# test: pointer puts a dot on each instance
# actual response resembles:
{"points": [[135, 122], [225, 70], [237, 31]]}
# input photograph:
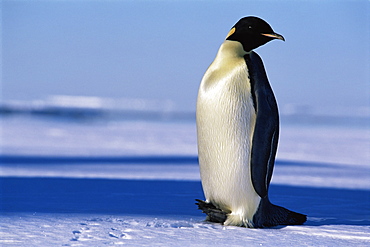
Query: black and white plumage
{"points": [[238, 131]]}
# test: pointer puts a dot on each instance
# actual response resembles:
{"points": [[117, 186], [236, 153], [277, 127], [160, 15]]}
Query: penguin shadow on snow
{"points": [[323, 206]]}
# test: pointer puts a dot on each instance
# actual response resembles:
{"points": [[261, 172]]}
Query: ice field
{"points": [[83, 182]]}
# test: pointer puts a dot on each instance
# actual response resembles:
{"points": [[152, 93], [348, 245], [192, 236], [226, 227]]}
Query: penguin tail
{"points": [[213, 213], [269, 215]]}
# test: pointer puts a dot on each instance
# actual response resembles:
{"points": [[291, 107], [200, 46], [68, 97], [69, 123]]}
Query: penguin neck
{"points": [[230, 48]]}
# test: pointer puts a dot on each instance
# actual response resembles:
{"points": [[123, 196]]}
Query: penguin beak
{"points": [[274, 36]]}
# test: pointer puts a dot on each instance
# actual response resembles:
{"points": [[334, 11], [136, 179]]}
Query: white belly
{"points": [[225, 125]]}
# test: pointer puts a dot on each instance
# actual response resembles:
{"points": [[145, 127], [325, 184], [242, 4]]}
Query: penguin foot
{"points": [[269, 215], [214, 214]]}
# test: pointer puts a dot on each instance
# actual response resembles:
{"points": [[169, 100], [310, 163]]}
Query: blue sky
{"points": [[161, 49]]}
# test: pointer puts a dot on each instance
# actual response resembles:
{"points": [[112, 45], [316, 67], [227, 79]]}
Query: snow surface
{"points": [[69, 182]]}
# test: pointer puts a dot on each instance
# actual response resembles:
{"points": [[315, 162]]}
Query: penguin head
{"points": [[252, 32]]}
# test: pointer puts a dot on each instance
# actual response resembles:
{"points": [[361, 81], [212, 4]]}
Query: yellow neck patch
{"points": [[230, 32]]}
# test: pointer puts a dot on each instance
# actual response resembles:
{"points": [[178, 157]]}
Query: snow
{"points": [[91, 182]]}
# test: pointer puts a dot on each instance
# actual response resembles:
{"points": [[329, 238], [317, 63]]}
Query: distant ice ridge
{"points": [[90, 102], [68, 106], [96, 107], [294, 109]]}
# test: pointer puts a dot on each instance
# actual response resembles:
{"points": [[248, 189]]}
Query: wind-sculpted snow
{"points": [[87, 230]]}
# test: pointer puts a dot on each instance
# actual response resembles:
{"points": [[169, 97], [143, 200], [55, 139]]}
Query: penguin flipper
{"points": [[214, 214], [266, 131]]}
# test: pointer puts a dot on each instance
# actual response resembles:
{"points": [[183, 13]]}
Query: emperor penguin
{"points": [[237, 130]]}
